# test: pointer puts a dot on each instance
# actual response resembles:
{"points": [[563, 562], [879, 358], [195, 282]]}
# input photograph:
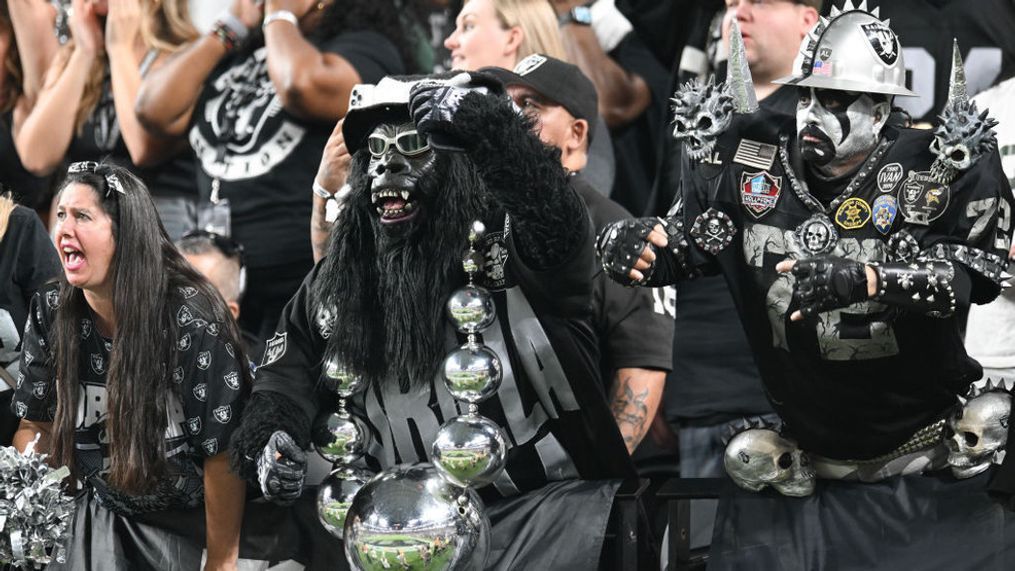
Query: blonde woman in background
{"points": [[85, 111], [27, 261]]}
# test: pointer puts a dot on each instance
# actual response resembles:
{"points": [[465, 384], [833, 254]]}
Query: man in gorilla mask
{"points": [[430, 156]]}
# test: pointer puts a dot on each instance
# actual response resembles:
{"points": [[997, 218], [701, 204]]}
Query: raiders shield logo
{"points": [[211, 446], [325, 322], [39, 390], [188, 292], [882, 41], [86, 328], [194, 425], [212, 329], [20, 409], [759, 192], [184, 343], [28, 358], [229, 349], [204, 360], [21, 380], [184, 316], [98, 364], [53, 299], [178, 375], [223, 414], [232, 380], [274, 348], [201, 392], [923, 199]]}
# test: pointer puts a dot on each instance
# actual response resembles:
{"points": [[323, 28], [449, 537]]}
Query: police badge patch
{"points": [[882, 40], [885, 210], [923, 199], [853, 213], [889, 176], [223, 414], [759, 192], [274, 348], [713, 230]]}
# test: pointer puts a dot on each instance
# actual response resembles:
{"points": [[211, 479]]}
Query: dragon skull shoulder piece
{"points": [[702, 111]]}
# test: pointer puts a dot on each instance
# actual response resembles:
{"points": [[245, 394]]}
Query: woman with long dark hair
{"points": [[258, 98], [134, 377]]}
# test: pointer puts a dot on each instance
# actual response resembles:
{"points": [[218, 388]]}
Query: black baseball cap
{"points": [[556, 80]]}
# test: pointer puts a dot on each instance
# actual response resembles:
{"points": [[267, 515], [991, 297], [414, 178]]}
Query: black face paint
{"points": [[837, 102]]}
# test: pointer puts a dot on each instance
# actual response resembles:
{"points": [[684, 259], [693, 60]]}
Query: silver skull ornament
{"points": [[760, 457], [702, 111], [977, 431]]}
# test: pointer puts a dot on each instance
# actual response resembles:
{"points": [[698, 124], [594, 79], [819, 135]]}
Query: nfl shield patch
{"points": [[886, 208], [223, 414], [274, 348], [759, 192]]}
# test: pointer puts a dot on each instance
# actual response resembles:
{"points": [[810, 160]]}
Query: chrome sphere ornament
{"points": [[472, 373], [334, 496], [471, 309], [339, 437], [476, 232], [470, 450], [408, 517], [340, 380]]}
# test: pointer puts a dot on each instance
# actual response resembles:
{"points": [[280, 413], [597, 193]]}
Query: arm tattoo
{"points": [[630, 412], [320, 228]]}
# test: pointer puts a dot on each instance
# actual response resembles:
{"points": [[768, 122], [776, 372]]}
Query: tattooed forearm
{"points": [[320, 228], [634, 400]]}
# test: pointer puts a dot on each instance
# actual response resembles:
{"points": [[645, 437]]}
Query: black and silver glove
{"points": [[620, 245], [828, 282], [433, 107], [281, 469]]}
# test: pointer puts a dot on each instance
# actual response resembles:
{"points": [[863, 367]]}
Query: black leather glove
{"points": [[619, 247], [828, 282], [433, 106], [281, 469]]}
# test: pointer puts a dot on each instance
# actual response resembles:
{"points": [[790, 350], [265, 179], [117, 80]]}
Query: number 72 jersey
{"points": [[855, 382]]}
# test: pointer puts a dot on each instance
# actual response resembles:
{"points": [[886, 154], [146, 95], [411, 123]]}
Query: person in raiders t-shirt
{"points": [[132, 374], [375, 304]]}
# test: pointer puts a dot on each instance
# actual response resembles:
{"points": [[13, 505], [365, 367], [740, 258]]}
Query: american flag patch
{"points": [[755, 154]]}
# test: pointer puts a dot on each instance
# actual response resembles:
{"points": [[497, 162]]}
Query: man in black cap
{"points": [[635, 333]]}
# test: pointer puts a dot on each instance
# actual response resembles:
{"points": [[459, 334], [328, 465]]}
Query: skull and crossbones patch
{"points": [[713, 230]]}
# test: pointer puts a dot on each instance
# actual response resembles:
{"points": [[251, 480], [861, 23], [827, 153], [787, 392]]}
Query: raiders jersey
{"points": [[203, 409], [550, 403], [855, 382]]}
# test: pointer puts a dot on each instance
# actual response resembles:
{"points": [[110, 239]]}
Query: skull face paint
{"points": [[835, 128]]}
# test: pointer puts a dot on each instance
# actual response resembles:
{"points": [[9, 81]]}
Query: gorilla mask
{"points": [[399, 158]]}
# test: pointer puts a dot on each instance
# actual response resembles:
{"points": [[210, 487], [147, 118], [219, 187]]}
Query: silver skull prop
{"points": [[977, 431], [702, 111], [760, 457], [409, 517]]}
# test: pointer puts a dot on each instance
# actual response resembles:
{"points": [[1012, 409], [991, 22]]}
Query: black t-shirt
{"points": [[634, 327], [983, 29], [100, 139], [204, 405], [27, 188], [550, 401], [27, 261], [855, 382], [635, 144], [264, 158]]}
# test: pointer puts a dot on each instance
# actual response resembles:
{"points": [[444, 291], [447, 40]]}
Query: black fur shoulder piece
{"points": [[266, 412], [547, 215]]}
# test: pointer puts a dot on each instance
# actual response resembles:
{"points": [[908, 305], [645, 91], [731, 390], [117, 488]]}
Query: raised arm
{"points": [[331, 175], [43, 137], [169, 94], [33, 22], [311, 84]]}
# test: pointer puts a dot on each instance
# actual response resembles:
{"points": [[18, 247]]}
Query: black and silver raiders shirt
{"points": [[855, 382], [203, 408]]}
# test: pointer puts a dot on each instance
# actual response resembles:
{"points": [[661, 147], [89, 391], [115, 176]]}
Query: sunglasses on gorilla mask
{"points": [[409, 143]]}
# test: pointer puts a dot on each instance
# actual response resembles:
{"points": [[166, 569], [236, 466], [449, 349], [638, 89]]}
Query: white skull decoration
{"points": [[714, 227], [760, 457], [977, 431], [816, 236]]}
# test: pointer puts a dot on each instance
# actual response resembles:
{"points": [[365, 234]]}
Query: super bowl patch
{"points": [[713, 230], [853, 213], [922, 199], [889, 176], [886, 208], [759, 192]]}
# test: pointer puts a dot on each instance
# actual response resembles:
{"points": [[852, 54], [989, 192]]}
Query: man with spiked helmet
{"points": [[849, 243]]}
